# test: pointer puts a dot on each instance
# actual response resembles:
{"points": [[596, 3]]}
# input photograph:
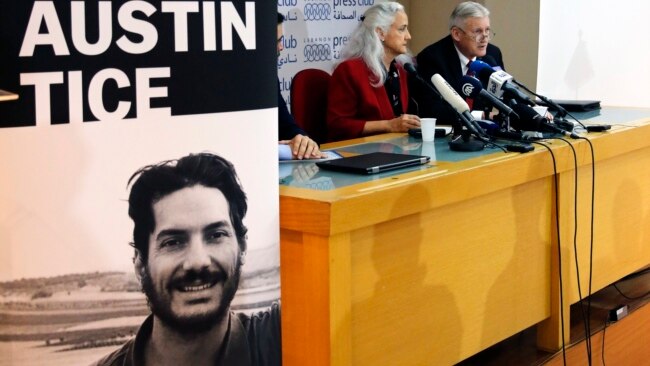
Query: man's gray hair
{"points": [[464, 10]]}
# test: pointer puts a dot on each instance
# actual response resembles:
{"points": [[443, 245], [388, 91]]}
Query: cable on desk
{"points": [[602, 353], [583, 312], [591, 229], [559, 247], [492, 144]]}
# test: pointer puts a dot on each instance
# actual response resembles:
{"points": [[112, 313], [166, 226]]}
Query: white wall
{"points": [[595, 49]]}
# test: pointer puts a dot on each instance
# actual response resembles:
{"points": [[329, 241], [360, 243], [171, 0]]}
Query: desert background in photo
{"points": [[76, 319]]}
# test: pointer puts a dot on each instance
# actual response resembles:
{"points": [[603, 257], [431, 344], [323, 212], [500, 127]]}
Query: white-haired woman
{"points": [[368, 91]]}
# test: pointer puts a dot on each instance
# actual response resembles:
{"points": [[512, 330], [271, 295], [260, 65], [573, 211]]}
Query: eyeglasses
{"points": [[479, 35]]}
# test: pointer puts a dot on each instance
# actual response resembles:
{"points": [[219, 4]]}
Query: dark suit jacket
{"points": [[287, 127], [442, 58], [352, 101]]}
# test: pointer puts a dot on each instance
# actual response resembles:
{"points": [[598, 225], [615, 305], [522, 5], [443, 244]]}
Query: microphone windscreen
{"points": [[449, 94], [470, 86], [410, 68], [484, 76], [477, 66]]}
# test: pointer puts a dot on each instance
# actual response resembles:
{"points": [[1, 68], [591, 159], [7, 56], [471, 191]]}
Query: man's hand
{"points": [[302, 147]]}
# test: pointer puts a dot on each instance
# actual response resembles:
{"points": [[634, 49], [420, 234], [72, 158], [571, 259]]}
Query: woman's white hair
{"points": [[364, 41]]}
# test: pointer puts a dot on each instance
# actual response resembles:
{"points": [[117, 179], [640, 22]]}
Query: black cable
{"points": [[505, 149], [562, 112], [591, 231], [559, 247], [492, 143], [630, 297], [583, 312], [544, 99], [577, 120], [487, 140], [630, 276], [602, 353]]}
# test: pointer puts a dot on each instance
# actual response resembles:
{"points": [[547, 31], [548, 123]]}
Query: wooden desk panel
{"points": [[427, 287], [622, 218], [418, 261]]}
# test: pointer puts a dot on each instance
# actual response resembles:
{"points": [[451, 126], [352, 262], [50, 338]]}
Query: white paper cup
{"points": [[428, 128]]}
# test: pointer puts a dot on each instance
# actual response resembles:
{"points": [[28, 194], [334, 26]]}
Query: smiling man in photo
{"points": [[190, 244]]}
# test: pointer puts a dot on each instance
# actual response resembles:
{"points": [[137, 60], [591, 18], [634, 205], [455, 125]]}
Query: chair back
{"points": [[309, 102]]}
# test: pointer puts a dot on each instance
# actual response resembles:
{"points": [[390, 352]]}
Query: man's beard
{"points": [[195, 324]]}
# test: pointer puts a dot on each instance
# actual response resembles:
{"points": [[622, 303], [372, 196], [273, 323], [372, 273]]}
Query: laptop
{"points": [[373, 163], [578, 105]]}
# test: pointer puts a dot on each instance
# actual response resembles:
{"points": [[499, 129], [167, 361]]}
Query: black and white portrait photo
{"points": [[139, 210]]}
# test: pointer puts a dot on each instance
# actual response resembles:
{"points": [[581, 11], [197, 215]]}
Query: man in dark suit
{"points": [[302, 147], [468, 40]]}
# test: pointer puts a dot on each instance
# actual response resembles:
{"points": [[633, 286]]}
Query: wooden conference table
{"points": [[430, 265]]}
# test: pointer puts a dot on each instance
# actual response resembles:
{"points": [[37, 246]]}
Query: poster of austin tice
{"points": [[107, 88]]}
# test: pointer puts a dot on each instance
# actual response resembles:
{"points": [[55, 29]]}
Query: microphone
{"points": [[499, 85], [492, 62], [411, 70], [482, 71], [497, 81], [472, 88], [561, 112], [448, 93], [532, 121]]}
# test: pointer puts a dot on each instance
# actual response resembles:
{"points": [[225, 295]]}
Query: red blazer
{"points": [[352, 101]]}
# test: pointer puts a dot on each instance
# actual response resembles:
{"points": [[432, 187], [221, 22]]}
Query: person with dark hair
{"points": [[368, 91], [468, 40], [190, 244], [302, 146]]}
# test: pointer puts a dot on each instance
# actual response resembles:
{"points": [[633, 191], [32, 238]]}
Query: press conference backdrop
{"points": [[106, 88], [315, 32], [595, 49]]}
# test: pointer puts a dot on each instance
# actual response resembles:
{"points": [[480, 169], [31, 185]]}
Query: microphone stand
{"points": [[504, 131], [471, 136], [561, 113], [506, 120], [466, 141]]}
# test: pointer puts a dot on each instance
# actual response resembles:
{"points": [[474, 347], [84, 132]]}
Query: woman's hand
{"points": [[403, 123]]}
